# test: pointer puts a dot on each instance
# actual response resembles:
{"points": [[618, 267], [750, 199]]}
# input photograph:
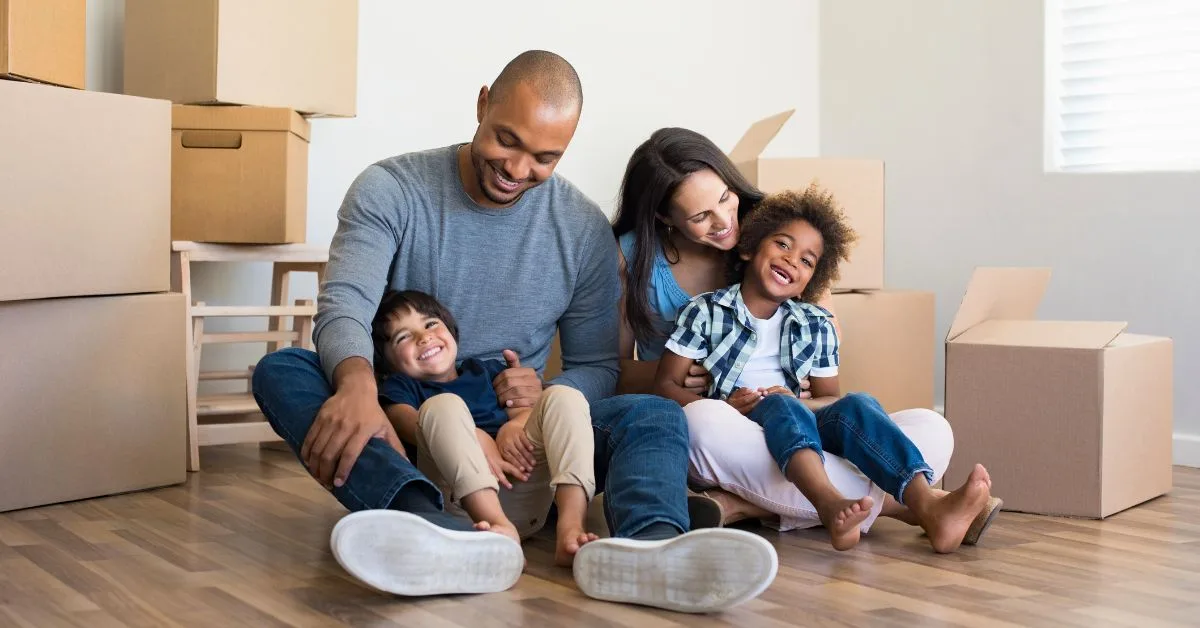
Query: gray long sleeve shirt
{"points": [[509, 276]]}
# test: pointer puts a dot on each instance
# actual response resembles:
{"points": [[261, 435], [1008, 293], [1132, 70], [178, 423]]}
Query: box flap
{"points": [[232, 118], [755, 141], [1047, 334], [1000, 293]]}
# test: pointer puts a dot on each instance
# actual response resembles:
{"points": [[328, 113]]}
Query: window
{"points": [[1122, 85]]}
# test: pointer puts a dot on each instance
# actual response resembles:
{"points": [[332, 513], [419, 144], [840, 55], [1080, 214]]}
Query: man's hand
{"points": [[744, 399], [496, 462], [344, 425], [698, 380], [515, 446], [517, 386]]}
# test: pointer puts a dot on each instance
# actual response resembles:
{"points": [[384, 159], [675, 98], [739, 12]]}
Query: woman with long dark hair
{"points": [[678, 223]]}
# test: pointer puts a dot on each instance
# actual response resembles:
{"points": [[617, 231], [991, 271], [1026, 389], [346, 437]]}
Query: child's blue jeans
{"points": [[854, 427]]}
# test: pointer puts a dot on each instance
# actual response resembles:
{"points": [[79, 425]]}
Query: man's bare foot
{"points": [[570, 539], [949, 515], [506, 528], [842, 519]]}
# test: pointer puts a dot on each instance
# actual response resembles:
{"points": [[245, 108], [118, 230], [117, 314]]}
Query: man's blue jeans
{"points": [[641, 451], [854, 427]]}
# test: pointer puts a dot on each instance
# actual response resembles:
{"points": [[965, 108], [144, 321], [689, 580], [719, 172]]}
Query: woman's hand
{"points": [[500, 467], [698, 379], [744, 400], [805, 385]]}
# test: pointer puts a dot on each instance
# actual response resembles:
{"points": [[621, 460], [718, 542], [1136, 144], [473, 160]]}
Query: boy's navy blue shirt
{"points": [[473, 385]]}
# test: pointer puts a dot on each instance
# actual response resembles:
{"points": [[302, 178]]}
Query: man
{"points": [[515, 252]]}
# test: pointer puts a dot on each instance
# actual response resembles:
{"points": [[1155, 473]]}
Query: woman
{"points": [[681, 204]]}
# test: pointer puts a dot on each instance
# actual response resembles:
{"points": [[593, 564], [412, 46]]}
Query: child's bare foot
{"points": [[506, 528], [949, 515], [842, 518], [570, 539]]}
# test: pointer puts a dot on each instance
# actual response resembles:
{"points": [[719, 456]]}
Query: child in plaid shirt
{"points": [[761, 337]]}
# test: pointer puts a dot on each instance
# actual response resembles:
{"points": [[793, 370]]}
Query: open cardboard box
{"points": [[856, 184], [1070, 417], [887, 347]]}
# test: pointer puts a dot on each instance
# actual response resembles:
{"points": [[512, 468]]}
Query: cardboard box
{"points": [[1070, 417], [84, 193], [44, 41], [887, 347], [239, 175], [857, 184], [92, 397], [297, 54]]}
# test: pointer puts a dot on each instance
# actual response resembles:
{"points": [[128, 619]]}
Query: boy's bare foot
{"points": [[842, 518], [568, 542], [506, 528], [948, 516]]}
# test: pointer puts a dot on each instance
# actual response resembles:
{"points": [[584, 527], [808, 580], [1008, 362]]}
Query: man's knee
{"points": [[651, 412], [280, 366]]}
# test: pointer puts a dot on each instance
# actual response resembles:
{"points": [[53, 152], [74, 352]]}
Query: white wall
{"points": [[950, 94], [714, 66]]}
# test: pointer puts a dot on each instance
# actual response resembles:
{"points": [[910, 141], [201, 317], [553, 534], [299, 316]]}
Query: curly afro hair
{"points": [[814, 206]]}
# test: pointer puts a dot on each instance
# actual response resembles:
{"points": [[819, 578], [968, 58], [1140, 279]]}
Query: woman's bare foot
{"points": [[947, 516], [570, 538], [506, 528], [842, 518]]}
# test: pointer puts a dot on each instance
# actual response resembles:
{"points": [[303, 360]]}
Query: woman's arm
{"points": [[825, 390], [404, 419], [636, 376], [672, 374]]}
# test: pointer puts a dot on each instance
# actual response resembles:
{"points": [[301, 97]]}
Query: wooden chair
{"points": [[234, 417]]}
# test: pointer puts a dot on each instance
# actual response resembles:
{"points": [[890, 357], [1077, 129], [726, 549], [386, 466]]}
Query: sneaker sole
{"points": [[401, 553], [702, 571]]}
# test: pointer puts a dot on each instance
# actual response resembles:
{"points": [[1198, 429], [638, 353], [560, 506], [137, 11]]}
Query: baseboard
{"points": [[1187, 450]]}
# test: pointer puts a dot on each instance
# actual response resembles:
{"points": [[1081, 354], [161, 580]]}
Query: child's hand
{"points": [[744, 400], [515, 446], [777, 390], [499, 466]]}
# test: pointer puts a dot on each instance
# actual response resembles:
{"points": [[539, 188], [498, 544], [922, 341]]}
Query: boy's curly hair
{"points": [[818, 208]]}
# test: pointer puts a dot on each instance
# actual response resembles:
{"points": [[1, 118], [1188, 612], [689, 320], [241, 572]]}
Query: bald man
{"points": [[516, 253]]}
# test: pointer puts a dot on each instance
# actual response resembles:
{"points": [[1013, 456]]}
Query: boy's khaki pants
{"points": [[560, 428]]}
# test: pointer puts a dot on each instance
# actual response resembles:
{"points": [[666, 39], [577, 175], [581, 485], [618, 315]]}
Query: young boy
{"points": [[760, 338], [467, 444]]}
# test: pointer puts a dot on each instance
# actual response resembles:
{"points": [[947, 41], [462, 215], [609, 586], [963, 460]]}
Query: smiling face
{"points": [[420, 346], [519, 142], [704, 210], [784, 261]]}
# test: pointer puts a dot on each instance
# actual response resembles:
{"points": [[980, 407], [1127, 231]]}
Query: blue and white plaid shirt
{"points": [[716, 328]]}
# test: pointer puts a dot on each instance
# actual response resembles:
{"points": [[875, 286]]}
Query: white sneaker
{"points": [[401, 553], [699, 572]]}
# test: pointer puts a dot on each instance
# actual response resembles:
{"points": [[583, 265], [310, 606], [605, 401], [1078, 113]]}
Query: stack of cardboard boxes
{"points": [[91, 365], [888, 335], [243, 74]]}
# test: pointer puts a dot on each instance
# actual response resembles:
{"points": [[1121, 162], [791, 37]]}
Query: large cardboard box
{"points": [[887, 346], [44, 41], [92, 397], [84, 193], [1069, 417], [857, 185], [298, 54], [239, 175]]}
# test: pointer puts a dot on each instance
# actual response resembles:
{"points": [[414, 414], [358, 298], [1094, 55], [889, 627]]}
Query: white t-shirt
{"points": [[764, 368]]}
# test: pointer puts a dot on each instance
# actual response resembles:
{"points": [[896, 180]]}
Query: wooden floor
{"points": [[245, 542]]}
